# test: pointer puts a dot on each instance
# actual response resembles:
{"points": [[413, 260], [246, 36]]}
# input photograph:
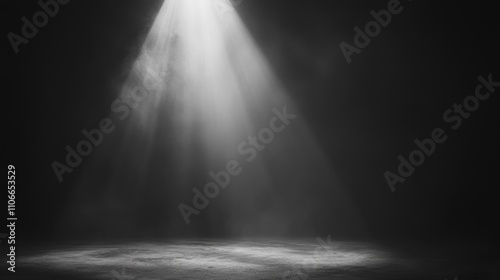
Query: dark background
{"points": [[364, 114]]}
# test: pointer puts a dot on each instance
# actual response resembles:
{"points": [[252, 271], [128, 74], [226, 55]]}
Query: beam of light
{"points": [[216, 78], [205, 88]]}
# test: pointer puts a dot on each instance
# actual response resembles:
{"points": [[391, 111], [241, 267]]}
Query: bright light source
{"points": [[210, 68]]}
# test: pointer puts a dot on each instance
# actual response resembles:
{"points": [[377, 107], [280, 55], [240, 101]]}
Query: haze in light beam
{"points": [[209, 68], [207, 89]]}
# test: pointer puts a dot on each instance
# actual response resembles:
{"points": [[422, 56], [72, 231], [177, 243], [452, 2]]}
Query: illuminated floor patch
{"points": [[222, 259]]}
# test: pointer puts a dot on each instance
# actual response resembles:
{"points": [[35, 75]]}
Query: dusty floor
{"points": [[241, 260]]}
